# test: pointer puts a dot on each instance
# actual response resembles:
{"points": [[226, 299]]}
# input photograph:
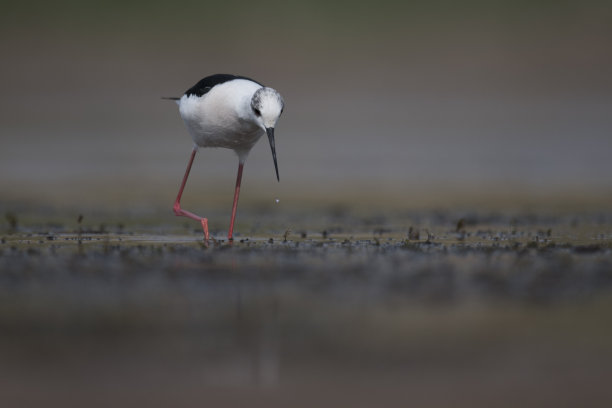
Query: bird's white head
{"points": [[267, 106]]}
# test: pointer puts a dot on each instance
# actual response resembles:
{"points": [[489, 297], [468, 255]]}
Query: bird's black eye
{"points": [[257, 111]]}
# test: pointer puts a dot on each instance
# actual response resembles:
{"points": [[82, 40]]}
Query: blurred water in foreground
{"points": [[480, 317]]}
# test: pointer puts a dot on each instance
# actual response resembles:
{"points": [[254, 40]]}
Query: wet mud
{"points": [[324, 309]]}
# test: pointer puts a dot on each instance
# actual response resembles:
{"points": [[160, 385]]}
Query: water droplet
{"points": [[277, 200]]}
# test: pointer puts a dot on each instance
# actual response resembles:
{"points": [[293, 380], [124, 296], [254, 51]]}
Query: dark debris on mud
{"points": [[486, 266], [413, 294]]}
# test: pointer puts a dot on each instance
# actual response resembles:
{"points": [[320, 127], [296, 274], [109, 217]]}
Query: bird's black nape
{"points": [[206, 84]]}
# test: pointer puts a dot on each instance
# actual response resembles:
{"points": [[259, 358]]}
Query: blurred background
{"points": [[401, 103]]}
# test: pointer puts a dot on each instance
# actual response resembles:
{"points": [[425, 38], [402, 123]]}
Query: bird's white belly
{"points": [[233, 136], [213, 123]]}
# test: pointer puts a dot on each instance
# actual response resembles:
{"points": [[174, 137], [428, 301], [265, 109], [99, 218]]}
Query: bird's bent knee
{"points": [[177, 209]]}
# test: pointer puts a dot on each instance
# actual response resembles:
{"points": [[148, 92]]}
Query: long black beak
{"points": [[270, 132]]}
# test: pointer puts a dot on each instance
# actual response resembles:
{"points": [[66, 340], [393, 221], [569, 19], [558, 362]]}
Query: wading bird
{"points": [[232, 112]]}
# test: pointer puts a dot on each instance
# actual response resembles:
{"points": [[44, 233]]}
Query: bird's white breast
{"points": [[223, 117]]}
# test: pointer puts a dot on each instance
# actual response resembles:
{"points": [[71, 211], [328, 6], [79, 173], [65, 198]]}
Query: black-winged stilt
{"points": [[228, 111]]}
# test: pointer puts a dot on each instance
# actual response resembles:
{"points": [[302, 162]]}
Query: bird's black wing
{"points": [[206, 84]]}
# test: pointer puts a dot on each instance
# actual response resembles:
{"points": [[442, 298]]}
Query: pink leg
{"points": [[235, 205], [178, 211]]}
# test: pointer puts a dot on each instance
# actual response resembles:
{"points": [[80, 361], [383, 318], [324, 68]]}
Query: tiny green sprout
{"points": [[11, 218], [413, 234], [460, 225]]}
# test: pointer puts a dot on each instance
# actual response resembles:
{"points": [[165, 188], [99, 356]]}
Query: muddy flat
{"points": [[322, 308]]}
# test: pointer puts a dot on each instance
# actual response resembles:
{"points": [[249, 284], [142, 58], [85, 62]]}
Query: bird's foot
{"points": [[204, 222], [179, 212]]}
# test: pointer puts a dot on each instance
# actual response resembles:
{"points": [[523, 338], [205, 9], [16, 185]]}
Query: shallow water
{"points": [[343, 309]]}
